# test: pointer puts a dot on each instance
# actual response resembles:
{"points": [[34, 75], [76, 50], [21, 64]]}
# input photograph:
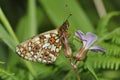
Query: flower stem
{"points": [[74, 67]]}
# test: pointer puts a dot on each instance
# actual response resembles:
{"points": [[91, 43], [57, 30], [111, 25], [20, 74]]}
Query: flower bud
{"points": [[67, 50], [81, 54]]}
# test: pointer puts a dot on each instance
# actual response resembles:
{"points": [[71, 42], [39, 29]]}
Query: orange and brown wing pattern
{"points": [[42, 48]]}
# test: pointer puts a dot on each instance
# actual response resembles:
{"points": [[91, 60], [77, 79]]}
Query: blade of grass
{"points": [[6, 38], [100, 8], [32, 17], [7, 25]]}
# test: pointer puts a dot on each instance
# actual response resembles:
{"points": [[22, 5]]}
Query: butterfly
{"points": [[44, 47]]}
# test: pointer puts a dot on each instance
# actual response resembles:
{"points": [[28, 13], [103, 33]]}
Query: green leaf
{"points": [[58, 12], [6, 75], [101, 29], [90, 68], [23, 29]]}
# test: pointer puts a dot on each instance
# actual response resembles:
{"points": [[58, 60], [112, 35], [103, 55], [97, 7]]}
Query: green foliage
{"points": [[59, 11], [110, 41], [41, 15], [6, 38], [6, 75]]}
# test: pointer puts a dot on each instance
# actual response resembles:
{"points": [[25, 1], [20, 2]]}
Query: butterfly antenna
{"points": [[68, 17], [66, 23]]}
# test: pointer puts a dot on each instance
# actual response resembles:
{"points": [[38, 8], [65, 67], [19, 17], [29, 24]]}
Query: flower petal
{"points": [[97, 48], [90, 38], [80, 34]]}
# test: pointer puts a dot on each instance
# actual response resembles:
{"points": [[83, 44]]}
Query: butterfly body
{"points": [[44, 47]]}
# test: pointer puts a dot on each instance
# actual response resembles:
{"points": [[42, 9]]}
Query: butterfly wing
{"points": [[42, 48]]}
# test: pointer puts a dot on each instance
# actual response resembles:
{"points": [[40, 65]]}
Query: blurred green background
{"points": [[22, 19]]}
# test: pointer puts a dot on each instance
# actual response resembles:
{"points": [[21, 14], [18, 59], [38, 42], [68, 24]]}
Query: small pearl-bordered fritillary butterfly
{"points": [[44, 47]]}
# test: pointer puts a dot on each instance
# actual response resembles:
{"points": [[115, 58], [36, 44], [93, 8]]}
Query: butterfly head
{"points": [[64, 27]]}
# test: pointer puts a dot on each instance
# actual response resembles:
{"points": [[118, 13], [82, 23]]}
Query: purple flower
{"points": [[88, 40]]}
